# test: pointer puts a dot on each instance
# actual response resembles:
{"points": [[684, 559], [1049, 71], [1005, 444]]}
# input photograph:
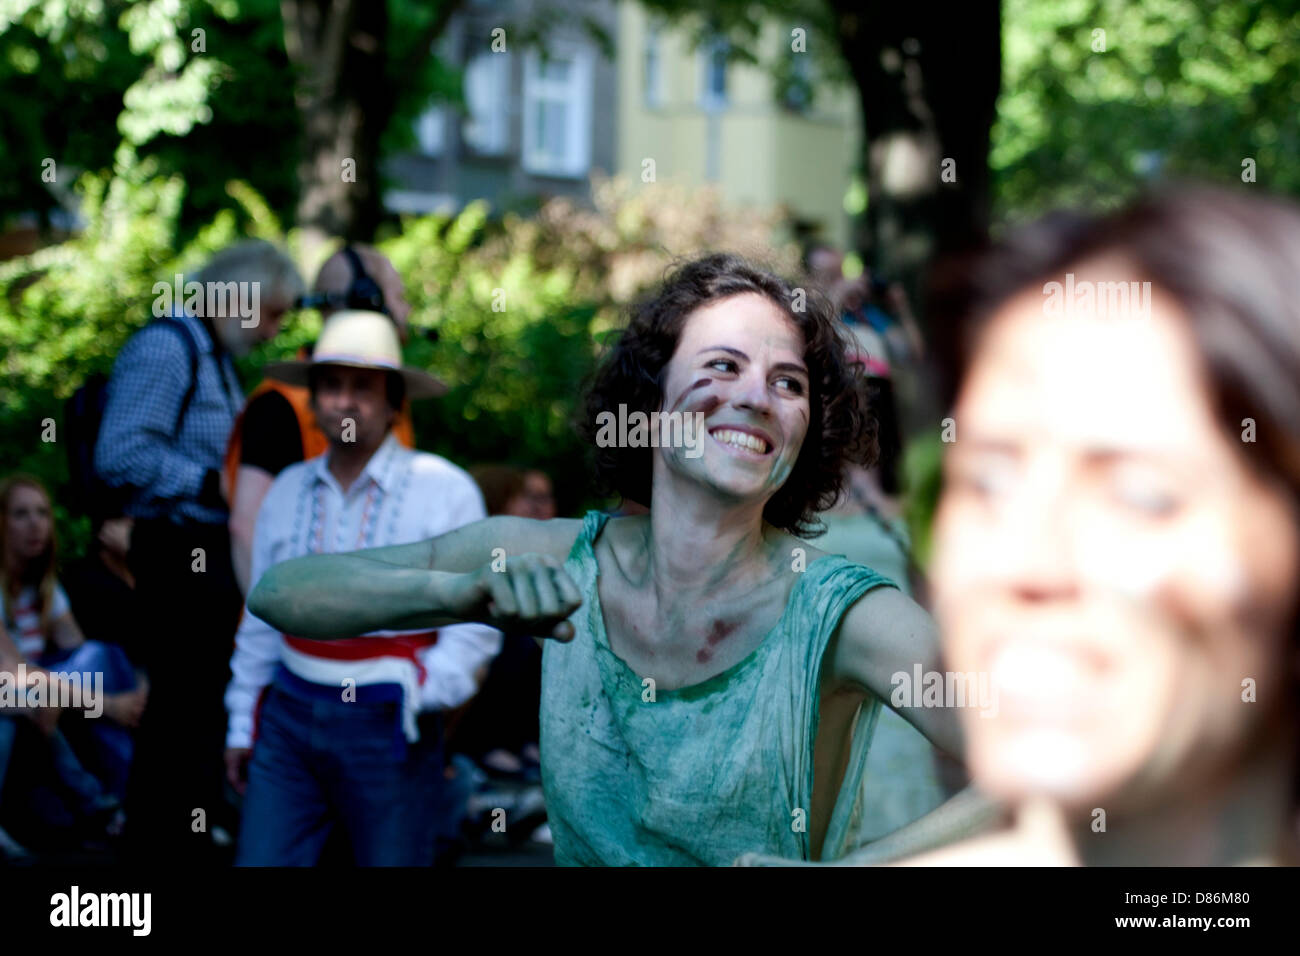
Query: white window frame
{"points": [[576, 93], [801, 69], [486, 129]]}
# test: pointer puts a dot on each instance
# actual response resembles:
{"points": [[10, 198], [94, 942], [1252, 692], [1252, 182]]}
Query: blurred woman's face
{"points": [[739, 363], [540, 496], [28, 524], [535, 500], [1107, 557]]}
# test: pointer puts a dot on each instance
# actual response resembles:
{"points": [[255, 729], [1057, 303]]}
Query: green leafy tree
{"points": [[273, 94], [63, 72], [198, 85], [1104, 96]]}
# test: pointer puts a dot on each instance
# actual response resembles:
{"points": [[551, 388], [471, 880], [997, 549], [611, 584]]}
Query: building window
{"points": [[654, 94], [430, 127], [486, 129], [796, 83], [557, 113], [713, 74]]}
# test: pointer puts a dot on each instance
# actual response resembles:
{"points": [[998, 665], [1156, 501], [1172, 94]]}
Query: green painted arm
{"points": [[450, 579], [967, 814], [328, 596]]}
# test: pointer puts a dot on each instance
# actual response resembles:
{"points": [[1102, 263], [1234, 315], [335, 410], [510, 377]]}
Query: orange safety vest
{"points": [[314, 441]]}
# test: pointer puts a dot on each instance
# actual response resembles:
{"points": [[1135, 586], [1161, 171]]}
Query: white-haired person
{"points": [[171, 401]]}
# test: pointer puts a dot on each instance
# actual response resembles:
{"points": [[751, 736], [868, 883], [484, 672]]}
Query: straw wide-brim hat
{"points": [[360, 339]]}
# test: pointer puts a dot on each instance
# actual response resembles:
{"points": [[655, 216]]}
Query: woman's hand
{"points": [[528, 594], [126, 708], [115, 535]]}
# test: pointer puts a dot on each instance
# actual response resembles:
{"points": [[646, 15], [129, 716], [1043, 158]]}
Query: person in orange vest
{"points": [[277, 426]]}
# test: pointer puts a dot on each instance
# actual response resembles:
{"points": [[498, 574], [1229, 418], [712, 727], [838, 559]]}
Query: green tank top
{"points": [[700, 774]]}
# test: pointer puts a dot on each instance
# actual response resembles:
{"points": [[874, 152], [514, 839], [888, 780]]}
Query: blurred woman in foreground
{"points": [[1118, 541]]}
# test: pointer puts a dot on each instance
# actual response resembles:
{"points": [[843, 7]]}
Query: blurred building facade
{"points": [[766, 138], [535, 126], [660, 109]]}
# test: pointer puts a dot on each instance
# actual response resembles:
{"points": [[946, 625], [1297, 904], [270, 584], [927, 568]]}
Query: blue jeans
{"points": [[111, 745], [319, 762], [87, 794]]}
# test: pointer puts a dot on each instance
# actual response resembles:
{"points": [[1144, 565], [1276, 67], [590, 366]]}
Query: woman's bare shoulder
{"points": [[792, 549]]}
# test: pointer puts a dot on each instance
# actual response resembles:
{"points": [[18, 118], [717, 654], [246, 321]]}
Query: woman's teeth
{"points": [[741, 440]]}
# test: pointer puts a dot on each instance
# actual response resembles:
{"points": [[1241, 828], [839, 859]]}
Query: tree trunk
{"points": [[928, 73], [337, 48]]}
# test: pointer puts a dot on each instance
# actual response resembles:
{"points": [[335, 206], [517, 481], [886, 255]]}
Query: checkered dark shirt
{"points": [[140, 445]]}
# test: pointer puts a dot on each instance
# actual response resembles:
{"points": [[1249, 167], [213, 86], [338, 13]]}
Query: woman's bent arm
{"points": [[342, 595], [406, 587]]}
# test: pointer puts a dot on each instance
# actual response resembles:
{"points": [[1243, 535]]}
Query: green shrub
{"points": [[517, 303]]}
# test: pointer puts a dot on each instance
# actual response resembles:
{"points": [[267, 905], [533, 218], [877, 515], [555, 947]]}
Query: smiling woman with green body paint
{"points": [[713, 680]]}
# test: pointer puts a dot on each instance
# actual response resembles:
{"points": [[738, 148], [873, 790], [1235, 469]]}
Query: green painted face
{"points": [[739, 364]]}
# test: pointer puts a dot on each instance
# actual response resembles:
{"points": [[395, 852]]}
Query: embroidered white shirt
{"points": [[400, 497]]}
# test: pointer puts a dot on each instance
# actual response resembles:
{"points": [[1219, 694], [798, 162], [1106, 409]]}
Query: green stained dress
{"points": [[700, 774]]}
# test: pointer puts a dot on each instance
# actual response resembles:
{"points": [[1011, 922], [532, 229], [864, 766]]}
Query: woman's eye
{"points": [[1147, 497], [984, 479], [982, 482], [727, 365], [791, 384]]}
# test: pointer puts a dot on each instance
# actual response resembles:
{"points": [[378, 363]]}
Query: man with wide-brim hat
{"points": [[359, 340], [277, 427], [347, 732]]}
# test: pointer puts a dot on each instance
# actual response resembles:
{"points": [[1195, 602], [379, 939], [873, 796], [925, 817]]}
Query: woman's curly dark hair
{"points": [[840, 427]]}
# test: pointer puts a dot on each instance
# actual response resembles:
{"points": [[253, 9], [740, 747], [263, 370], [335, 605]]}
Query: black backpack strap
{"points": [[191, 349]]}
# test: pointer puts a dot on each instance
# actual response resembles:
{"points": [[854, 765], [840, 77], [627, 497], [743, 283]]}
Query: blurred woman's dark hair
{"points": [[840, 427], [1230, 259], [498, 484], [884, 409]]}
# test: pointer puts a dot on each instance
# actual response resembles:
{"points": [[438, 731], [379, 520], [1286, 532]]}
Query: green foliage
{"points": [[198, 85], [1183, 88], [62, 74], [67, 309], [203, 86], [923, 480], [517, 305], [224, 112]]}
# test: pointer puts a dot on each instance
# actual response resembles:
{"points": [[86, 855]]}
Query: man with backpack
{"points": [[168, 411]]}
